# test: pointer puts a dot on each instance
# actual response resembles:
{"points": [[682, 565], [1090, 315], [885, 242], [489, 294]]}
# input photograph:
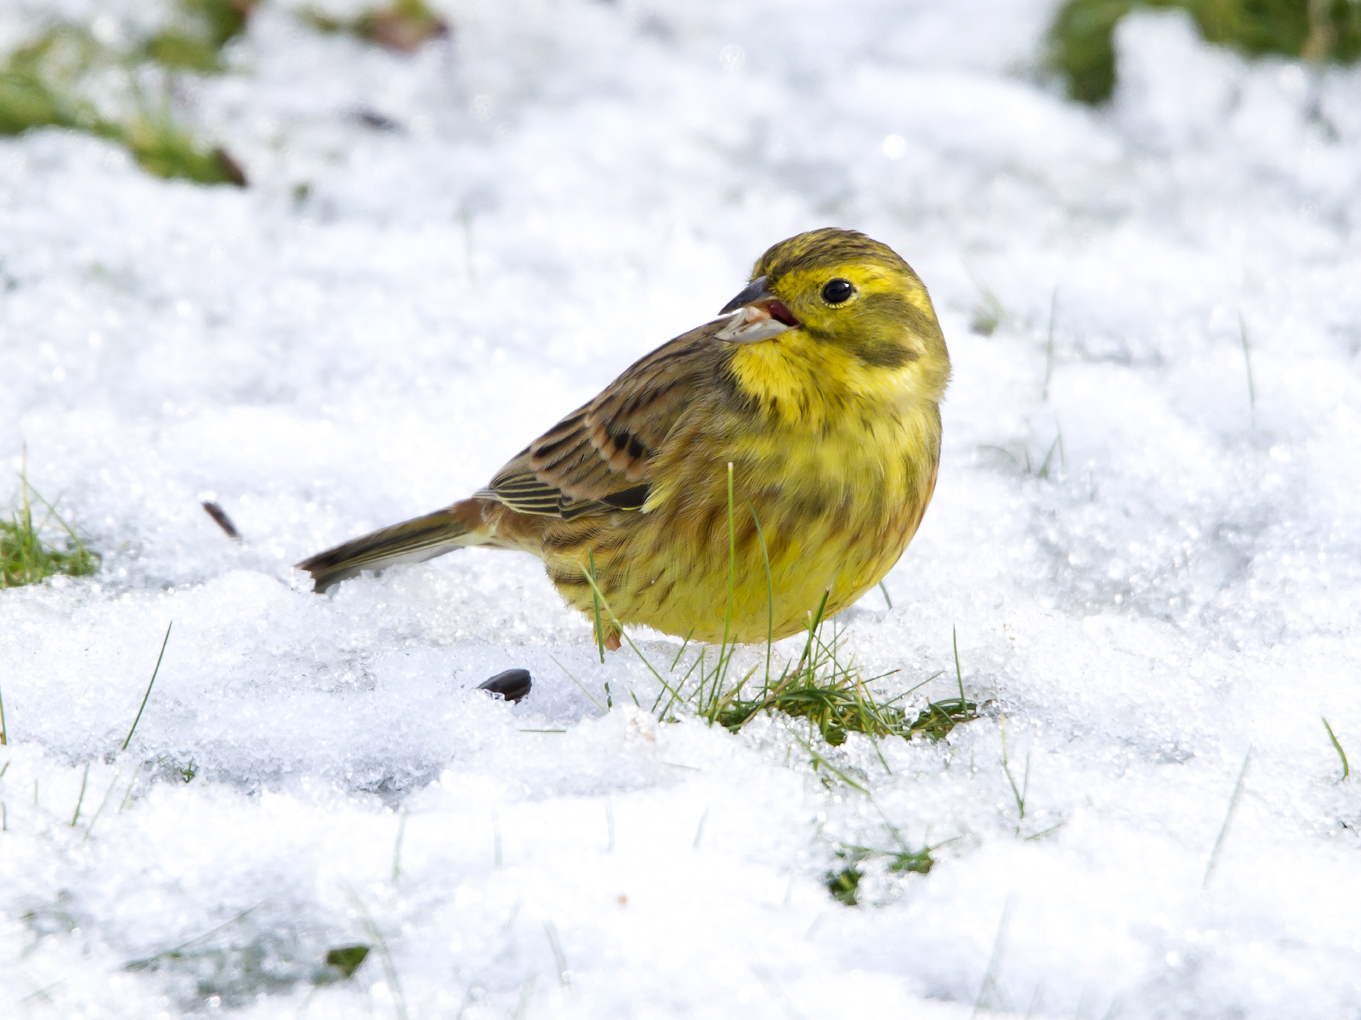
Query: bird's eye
{"points": [[837, 291]]}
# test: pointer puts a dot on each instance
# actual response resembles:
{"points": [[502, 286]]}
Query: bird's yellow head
{"points": [[833, 314]]}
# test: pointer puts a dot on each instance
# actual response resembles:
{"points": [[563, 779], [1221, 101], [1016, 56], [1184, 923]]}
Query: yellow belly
{"points": [[834, 516]]}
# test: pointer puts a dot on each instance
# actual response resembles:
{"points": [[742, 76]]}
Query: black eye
{"points": [[836, 291]]}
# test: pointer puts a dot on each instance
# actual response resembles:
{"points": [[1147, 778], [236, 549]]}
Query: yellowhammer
{"points": [[821, 392]]}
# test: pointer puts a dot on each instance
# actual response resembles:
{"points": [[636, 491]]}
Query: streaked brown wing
{"points": [[597, 458]]}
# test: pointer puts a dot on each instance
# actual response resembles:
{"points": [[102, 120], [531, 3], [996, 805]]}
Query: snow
{"points": [[383, 317]]}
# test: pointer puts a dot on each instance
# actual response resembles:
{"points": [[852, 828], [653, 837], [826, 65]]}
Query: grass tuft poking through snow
{"points": [[844, 882], [27, 554], [824, 686]]}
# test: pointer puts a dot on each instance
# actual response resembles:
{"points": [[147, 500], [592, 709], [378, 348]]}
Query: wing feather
{"points": [[597, 459]]}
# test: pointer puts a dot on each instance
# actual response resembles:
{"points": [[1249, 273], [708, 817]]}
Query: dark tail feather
{"points": [[421, 538]]}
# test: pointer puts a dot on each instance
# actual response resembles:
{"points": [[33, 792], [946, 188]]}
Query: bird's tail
{"points": [[420, 538]]}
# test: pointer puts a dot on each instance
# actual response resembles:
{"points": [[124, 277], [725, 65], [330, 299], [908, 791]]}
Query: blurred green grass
{"points": [[402, 25], [50, 83], [200, 29], [1082, 47]]}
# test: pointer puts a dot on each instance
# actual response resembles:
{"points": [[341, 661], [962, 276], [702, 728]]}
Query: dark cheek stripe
{"points": [[892, 356]]}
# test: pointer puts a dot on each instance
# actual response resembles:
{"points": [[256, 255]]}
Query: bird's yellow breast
{"points": [[832, 468]]}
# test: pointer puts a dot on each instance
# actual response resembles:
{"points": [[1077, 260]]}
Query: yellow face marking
{"points": [[876, 352]]}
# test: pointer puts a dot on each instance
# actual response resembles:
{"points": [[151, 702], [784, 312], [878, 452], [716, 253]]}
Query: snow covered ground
{"points": [[384, 316]]}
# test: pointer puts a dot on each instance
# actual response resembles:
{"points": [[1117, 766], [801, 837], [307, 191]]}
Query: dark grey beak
{"points": [[760, 315], [754, 291]]}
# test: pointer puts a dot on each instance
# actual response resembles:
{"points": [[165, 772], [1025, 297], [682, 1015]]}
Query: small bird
{"points": [[737, 476]]}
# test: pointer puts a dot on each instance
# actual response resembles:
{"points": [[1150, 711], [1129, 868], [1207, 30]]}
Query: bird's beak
{"points": [[760, 315]]}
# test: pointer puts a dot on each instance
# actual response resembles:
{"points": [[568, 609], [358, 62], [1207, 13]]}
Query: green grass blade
{"points": [[725, 650], [815, 621], [1049, 346], [684, 644], [1228, 816], [1247, 363], [829, 766], [397, 848], [559, 957], [102, 804], [959, 673], [148, 687], [1346, 769], [770, 589], [988, 988], [584, 691], [384, 953], [80, 799], [595, 598], [604, 603], [732, 562]]}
